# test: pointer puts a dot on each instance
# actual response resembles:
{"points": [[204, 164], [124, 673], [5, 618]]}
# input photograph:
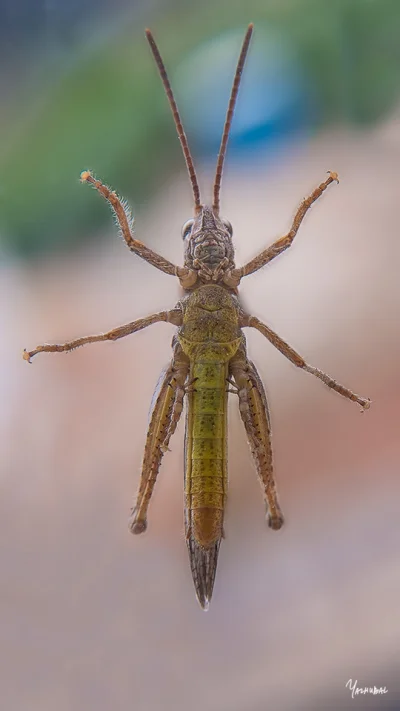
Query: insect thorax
{"points": [[210, 330]]}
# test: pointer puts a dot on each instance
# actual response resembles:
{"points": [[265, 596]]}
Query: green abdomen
{"points": [[206, 452]]}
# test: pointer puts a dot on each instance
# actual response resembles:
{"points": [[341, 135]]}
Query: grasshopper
{"points": [[209, 357]]}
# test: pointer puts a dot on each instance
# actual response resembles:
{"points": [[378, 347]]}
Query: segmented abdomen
{"points": [[206, 453]]}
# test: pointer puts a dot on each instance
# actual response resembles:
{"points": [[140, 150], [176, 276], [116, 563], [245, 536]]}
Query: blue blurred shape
{"points": [[275, 98]]}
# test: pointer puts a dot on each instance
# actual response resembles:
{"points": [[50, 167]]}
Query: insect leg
{"points": [[254, 412], [165, 412], [125, 221], [174, 316], [233, 278], [299, 361]]}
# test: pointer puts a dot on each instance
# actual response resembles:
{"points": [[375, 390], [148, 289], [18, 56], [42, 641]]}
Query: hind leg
{"points": [[254, 412]]}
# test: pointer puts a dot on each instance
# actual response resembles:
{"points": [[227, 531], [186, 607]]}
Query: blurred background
{"points": [[91, 617]]}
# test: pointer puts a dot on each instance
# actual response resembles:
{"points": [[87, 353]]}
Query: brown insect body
{"points": [[209, 355]]}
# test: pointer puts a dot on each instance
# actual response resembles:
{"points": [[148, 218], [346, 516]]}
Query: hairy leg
{"points": [[299, 361], [187, 276], [174, 316], [233, 278]]}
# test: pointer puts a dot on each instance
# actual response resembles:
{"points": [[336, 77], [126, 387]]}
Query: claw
{"points": [[26, 356], [333, 175], [365, 405], [137, 525], [85, 175], [275, 521]]}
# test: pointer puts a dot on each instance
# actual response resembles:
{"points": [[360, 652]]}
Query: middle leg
{"points": [[298, 360], [174, 316]]}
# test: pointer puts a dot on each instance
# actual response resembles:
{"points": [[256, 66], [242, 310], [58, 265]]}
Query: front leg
{"points": [[233, 278], [299, 361], [174, 316], [187, 276]]}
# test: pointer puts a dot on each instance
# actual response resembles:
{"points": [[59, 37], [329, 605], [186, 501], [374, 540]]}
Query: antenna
{"points": [[177, 119], [229, 115]]}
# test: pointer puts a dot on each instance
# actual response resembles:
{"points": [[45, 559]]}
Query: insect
{"points": [[209, 357]]}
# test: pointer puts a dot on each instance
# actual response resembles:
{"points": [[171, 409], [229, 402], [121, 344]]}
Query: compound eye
{"points": [[228, 226], [186, 229]]}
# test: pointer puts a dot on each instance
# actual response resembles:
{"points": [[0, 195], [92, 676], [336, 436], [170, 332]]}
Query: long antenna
{"points": [[177, 119], [229, 115]]}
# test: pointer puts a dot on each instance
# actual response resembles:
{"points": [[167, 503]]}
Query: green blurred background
{"points": [[79, 89], [90, 617]]}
